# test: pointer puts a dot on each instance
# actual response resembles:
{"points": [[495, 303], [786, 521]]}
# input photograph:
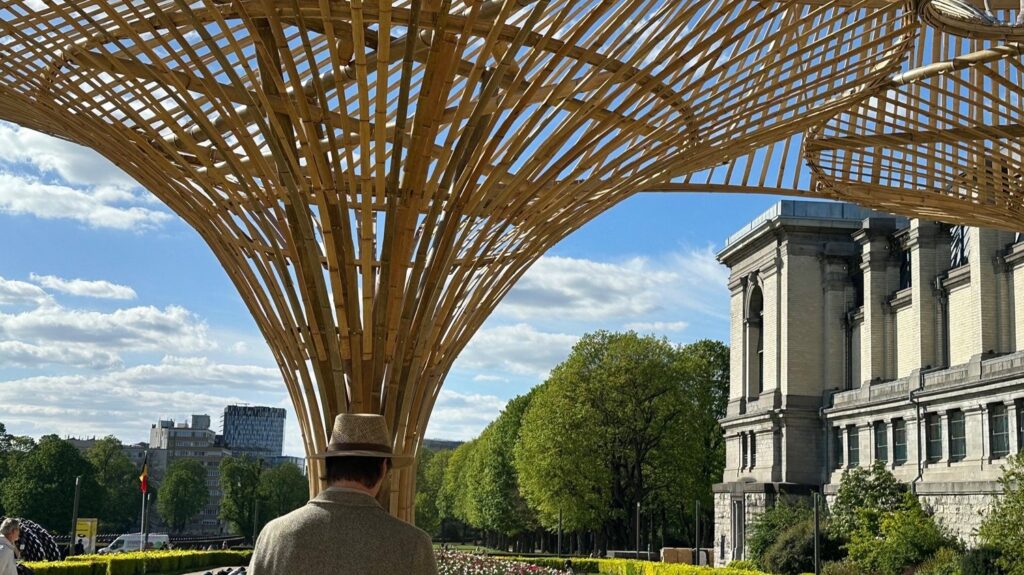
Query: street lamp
{"points": [[638, 530]]}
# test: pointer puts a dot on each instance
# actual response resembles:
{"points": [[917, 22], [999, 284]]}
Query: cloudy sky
{"points": [[113, 312]]}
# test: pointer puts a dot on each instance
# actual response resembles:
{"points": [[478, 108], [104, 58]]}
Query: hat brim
{"points": [[397, 461]]}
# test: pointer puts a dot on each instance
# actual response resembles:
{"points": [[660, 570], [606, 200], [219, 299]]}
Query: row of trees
{"points": [[37, 481], [624, 421]]}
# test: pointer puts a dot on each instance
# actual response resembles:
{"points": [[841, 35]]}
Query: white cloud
{"points": [[518, 349], [22, 354], [76, 165], [657, 327], [13, 292], [85, 288], [97, 208], [127, 401], [137, 329], [636, 290], [461, 417], [580, 289], [483, 377]]}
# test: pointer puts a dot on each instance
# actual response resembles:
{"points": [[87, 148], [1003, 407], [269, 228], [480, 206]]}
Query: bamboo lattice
{"points": [[375, 176]]}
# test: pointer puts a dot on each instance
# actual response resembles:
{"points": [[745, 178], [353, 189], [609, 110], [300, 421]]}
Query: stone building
{"points": [[195, 440], [858, 336]]}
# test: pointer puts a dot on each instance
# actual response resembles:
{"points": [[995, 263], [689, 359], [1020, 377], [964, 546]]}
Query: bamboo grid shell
{"points": [[375, 176]]}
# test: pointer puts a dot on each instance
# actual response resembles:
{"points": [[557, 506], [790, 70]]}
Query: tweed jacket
{"points": [[342, 532]]}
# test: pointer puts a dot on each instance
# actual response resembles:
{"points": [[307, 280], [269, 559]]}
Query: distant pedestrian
{"points": [[79, 547], [10, 532], [345, 529]]}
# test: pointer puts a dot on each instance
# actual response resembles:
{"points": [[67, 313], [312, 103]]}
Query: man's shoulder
{"points": [[406, 530], [292, 520]]}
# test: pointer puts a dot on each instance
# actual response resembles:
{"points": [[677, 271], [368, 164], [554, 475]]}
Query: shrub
{"points": [[946, 561], [793, 552], [1001, 528], [744, 564], [771, 524], [981, 561], [864, 496], [132, 563], [844, 567], [905, 538]]}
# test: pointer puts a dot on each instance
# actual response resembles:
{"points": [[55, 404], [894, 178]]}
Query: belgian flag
{"points": [[144, 478]]}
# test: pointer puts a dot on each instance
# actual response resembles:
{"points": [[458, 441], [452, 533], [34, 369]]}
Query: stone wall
{"points": [[960, 507]]}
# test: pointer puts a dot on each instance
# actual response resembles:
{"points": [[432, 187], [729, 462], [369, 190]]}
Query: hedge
{"points": [[132, 563], [632, 567]]}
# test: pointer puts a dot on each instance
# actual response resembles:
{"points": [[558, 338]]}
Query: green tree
{"points": [[611, 427], [183, 493], [501, 506], [282, 489], [12, 448], [429, 478], [41, 485], [704, 368], [453, 499], [119, 480], [239, 484], [863, 498], [1003, 525]]}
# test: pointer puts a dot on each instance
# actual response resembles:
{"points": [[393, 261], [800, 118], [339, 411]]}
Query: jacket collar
{"points": [[349, 497], [5, 543]]}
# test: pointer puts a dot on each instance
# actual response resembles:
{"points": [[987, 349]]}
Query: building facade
{"points": [[859, 337], [254, 431], [195, 440]]}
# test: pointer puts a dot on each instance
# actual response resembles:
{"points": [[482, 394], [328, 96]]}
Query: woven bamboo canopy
{"points": [[375, 176]]}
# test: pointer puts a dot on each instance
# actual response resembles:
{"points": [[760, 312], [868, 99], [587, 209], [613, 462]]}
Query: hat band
{"points": [[340, 446]]}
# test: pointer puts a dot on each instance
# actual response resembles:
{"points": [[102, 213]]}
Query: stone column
{"points": [[928, 243], [986, 301], [944, 434], [737, 347], [881, 274], [974, 427]]}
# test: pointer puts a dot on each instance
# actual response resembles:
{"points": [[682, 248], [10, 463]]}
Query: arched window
{"points": [[755, 342]]}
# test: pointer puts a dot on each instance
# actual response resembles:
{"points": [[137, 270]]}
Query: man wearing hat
{"points": [[344, 531]]}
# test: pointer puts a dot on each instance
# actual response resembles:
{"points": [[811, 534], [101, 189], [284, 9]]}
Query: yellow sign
{"points": [[85, 535]]}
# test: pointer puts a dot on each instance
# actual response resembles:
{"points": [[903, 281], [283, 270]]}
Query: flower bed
{"points": [[456, 563]]}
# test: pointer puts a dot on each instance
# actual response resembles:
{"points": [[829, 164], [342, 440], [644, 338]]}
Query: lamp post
{"points": [[74, 515], [559, 533], [638, 530]]}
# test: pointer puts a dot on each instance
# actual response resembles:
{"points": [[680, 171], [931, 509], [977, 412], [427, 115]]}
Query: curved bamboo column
{"points": [[375, 176]]}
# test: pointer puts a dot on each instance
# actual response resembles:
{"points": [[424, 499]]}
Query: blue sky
{"points": [[114, 313]]}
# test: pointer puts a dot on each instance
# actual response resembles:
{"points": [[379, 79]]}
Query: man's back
{"points": [[342, 532]]}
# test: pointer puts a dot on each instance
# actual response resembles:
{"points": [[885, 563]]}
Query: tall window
{"points": [[957, 436], [852, 446], [743, 448], [753, 450], [837, 446], [755, 342], [1020, 424], [881, 442], [899, 441], [906, 267], [933, 437], [999, 433]]}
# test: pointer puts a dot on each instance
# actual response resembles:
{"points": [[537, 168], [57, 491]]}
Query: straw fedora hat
{"points": [[362, 435]]}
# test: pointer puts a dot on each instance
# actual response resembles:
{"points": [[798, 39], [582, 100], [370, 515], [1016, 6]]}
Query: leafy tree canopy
{"points": [[183, 493], [118, 477], [41, 485]]}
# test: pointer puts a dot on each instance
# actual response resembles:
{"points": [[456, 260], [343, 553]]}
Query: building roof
{"points": [[800, 213]]}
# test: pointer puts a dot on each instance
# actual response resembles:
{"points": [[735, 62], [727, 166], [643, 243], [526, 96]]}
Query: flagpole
{"points": [[144, 484]]}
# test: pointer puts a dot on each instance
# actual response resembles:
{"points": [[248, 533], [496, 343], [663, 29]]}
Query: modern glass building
{"points": [[255, 431]]}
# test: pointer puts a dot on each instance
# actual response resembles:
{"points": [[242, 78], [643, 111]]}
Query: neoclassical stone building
{"points": [[858, 336]]}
